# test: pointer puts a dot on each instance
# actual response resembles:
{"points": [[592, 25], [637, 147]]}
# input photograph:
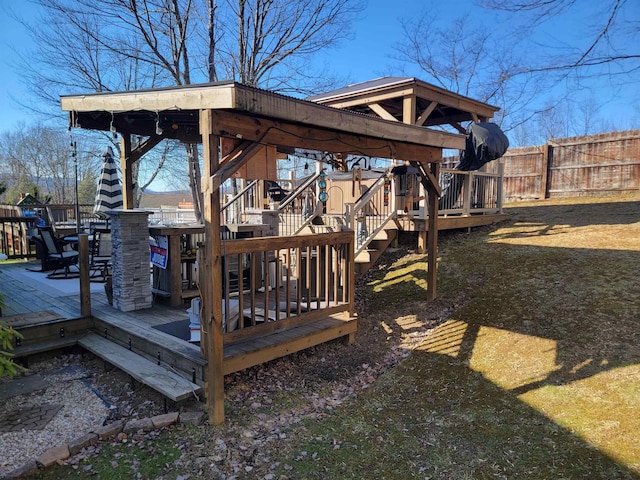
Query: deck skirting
{"points": [[280, 343]]}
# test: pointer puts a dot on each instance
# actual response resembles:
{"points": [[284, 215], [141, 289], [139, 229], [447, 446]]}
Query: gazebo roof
{"points": [[386, 97], [252, 114]]}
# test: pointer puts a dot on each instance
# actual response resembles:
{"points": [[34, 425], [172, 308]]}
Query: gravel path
{"points": [[69, 387], [89, 395]]}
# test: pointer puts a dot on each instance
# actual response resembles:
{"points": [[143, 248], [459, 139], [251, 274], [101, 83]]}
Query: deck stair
{"points": [[42, 335], [168, 383], [171, 352], [366, 258]]}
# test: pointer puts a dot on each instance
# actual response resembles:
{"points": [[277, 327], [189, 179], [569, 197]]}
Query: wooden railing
{"points": [[465, 193], [15, 235], [278, 282], [371, 212], [299, 208], [231, 211]]}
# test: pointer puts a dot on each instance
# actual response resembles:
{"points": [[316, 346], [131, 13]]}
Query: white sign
{"points": [[159, 247]]}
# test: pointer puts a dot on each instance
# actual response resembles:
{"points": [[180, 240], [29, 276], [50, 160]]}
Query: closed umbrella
{"points": [[109, 193]]}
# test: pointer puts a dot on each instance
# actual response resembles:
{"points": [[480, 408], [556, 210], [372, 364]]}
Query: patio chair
{"points": [[100, 258], [56, 257]]}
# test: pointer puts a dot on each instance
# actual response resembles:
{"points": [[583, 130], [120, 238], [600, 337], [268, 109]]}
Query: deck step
{"points": [[168, 383], [45, 346]]}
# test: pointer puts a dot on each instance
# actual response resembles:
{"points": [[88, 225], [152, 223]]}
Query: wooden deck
{"points": [[50, 320]]}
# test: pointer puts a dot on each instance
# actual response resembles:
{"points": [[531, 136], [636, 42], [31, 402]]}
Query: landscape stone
{"points": [[53, 455], [28, 469], [84, 441], [110, 430], [144, 424], [191, 418], [160, 421]]}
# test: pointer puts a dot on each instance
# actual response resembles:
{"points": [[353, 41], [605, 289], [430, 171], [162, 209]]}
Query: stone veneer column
{"points": [[270, 218], [130, 259]]}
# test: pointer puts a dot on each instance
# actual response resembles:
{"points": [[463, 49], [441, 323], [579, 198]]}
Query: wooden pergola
{"points": [[255, 118]]}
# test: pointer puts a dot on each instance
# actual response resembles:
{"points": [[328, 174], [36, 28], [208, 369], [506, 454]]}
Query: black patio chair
{"points": [[56, 257], [100, 258]]}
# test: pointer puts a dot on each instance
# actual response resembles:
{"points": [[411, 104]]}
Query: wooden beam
{"points": [[475, 118], [274, 132], [213, 273], [127, 158], [425, 114], [426, 177], [233, 161], [409, 103], [381, 112], [450, 99], [144, 147], [369, 98], [458, 127], [432, 239]]}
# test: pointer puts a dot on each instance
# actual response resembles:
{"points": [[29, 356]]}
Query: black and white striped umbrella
{"points": [[109, 193]]}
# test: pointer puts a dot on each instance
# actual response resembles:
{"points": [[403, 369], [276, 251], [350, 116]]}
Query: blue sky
{"points": [[365, 56]]}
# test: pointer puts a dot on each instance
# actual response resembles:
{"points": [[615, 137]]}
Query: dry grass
{"points": [[536, 375], [527, 365]]}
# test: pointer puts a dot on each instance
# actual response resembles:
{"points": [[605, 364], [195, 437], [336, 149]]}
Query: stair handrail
{"points": [[307, 217], [299, 190], [238, 195], [356, 219]]}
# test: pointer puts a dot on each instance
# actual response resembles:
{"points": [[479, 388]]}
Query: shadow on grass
{"points": [[549, 330], [433, 417]]}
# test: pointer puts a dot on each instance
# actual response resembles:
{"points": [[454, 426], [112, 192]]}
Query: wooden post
{"points": [[213, 272], [85, 286], [422, 239], [432, 239], [175, 270], [409, 103], [466, 193], [500, 193], [127, 174], [547, 164]]}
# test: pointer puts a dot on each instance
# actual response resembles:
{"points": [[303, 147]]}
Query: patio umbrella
{"points": [[109, 193]]}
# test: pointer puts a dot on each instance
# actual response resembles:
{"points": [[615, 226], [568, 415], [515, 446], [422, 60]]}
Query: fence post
{"points": [[500, 187], [547, 164]]}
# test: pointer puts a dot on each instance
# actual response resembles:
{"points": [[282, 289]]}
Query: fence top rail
{"points": [[263, 244], [474, 172], [19, 219]]}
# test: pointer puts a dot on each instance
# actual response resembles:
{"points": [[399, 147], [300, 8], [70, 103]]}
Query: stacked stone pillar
{"points": [[131, 276], [270, 218]]}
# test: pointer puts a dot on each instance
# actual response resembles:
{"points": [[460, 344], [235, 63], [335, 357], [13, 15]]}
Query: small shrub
{"points": [[7, 334]]}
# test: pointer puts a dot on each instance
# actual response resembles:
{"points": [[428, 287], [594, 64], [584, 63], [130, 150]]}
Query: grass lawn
{"points": [[527, 366], [536, 376]]}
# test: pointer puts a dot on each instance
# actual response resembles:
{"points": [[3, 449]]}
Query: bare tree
{"points": [[512, 64], [106, 45], [611, 36], [471, 61], [40, 157]]}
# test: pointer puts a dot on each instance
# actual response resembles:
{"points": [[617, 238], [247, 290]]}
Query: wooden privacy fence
{"points": [[571, 167]]}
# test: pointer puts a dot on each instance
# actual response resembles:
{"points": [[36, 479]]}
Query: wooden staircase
{"points": [[366, 258]]}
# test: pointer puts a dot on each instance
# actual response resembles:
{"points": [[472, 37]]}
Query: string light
{"points": [[158, 127]]}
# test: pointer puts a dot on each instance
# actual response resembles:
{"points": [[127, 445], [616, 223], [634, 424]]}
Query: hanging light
{"points": [[158, 127]]}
